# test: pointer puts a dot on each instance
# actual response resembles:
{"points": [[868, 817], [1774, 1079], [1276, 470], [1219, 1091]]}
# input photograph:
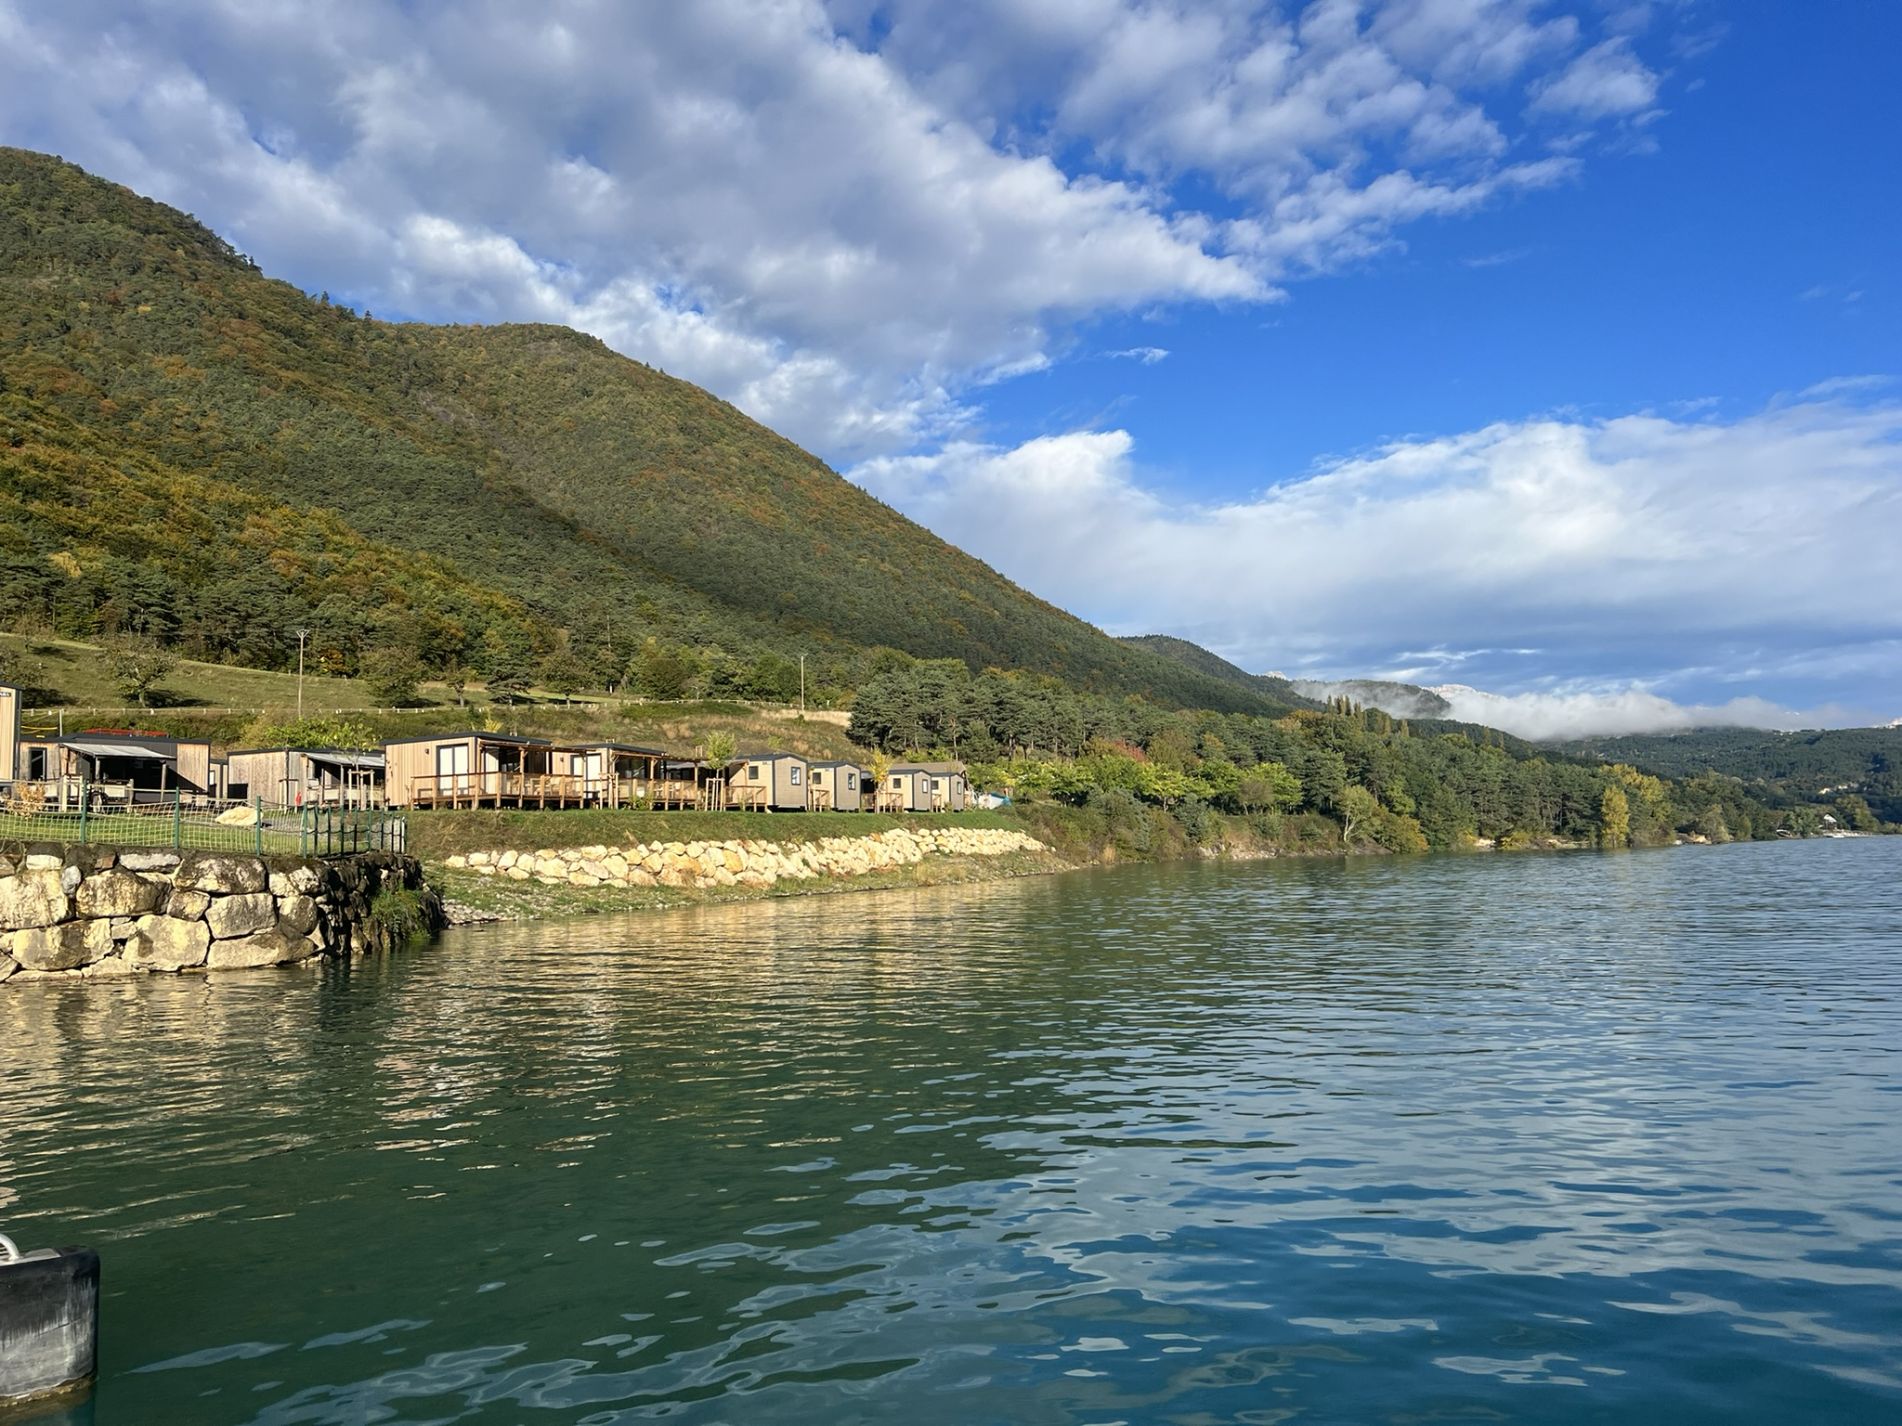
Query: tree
{"points": [[1268, 787], [393, 675], [138, 667], [1356, 807], [315, 732], [1614, 818], [716, 751], [564, 674], [1855, 813]]}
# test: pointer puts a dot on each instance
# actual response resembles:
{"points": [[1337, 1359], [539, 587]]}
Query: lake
{"points": [[1553, 1139]]}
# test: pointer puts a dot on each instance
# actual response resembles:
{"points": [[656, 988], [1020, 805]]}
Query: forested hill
{"points": [[1201, 660], [1800, 766], [199, 454]]}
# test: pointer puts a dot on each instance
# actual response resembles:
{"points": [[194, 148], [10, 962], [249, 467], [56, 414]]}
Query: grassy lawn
{"points": [[120, 829], [435, 835]]}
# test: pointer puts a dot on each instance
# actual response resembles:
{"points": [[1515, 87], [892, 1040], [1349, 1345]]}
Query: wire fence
{"points": [[186, 823]]}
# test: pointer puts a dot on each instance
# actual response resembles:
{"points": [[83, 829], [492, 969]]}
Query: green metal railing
{"points": [[185, 822]]}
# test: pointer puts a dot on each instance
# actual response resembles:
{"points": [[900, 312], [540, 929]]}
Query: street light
{"points": [[302, 634]]}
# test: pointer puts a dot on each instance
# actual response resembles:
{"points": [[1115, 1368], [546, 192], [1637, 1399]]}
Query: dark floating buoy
{"points": [[49, 1320]]}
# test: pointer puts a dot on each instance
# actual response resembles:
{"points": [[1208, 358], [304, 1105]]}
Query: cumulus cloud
{"points": [[1609, 712], [1148, 356], [846, 217], [1764, 546]]}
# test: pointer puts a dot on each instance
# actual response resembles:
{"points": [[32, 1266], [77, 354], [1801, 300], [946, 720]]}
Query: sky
{"points": [[1543, 348]]}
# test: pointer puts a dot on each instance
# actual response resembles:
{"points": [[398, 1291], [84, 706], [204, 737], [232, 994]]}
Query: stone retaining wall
{"points": [[103, 911], [742, 863]]}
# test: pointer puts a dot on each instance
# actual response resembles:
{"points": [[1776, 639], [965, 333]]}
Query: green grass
{"points": [[435, 835], [124, 830]]}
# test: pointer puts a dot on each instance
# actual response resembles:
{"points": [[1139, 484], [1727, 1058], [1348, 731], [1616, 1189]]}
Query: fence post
{"points": [[257, 819], [178, 819], [85, 804]]}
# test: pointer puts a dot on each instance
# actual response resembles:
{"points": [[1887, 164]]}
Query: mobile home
{"points": [[837, 787], [926, 787], [475, 770], [9, 733], [611, 774], [305, 777], [767, 782], [117, 765]]}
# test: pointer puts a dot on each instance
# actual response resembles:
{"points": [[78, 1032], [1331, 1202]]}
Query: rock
{"points": [[296, 915], [107, 968], [115, 893], [230, 916], [43, 861], [69, 879], [296, 881], [238, 817], [32, 898], [185, 905], [455, 862], [148, 861], [735, 863], [517, 873], [8, 967], [221, 873], [164, 943], [122, 927], [266, 948], [68, 947], [596, 869]]}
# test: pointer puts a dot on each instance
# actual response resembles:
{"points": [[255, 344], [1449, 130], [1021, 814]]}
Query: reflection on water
{"points": [[1513, 1139]]}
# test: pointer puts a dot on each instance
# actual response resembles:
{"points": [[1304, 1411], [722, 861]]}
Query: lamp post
{"points": [[302, 634], [802, 685]]}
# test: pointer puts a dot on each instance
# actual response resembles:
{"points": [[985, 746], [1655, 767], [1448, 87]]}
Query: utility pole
{"points": [[302, 634], [802, 685]]}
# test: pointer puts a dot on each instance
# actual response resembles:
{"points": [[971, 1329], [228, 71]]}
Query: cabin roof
{"points": [[101, 746], [770, 757], [616, 748], [939, 769], [346, 757], [837, 762], [512, 739]]}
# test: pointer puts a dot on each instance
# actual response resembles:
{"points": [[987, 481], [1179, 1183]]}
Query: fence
{"points": [[183, 822]]}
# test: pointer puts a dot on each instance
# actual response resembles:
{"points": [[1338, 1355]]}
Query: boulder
{"points": [[244, 915], [8, 966], [108, 968], [69, 879], [123, 927], [266, 948], [238, 817], [68, 947], [165, 943], [186, 905], [221, 873], [296, 915], [295, 881], [44, 861], [32, 898], [148, 861], [115, 893]]}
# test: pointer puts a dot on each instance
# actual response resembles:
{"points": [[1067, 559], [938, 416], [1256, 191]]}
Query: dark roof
{"points": [[315, 752], [941, 769], [509, 738], [618, 748], [769, 757], [839, 762]]}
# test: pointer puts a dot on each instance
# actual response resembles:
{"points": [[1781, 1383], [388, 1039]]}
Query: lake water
{"points": [[1539, 1139]]}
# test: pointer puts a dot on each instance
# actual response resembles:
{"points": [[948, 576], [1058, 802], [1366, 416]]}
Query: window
{"points": [[36, 763], [897, 782], [937, 784], [851, 782], [798, 775], [753, 772]]}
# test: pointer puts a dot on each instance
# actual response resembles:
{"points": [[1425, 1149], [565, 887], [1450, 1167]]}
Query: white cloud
{"points": [[1148, 356], [1545, 717], [1765, 545], [1607, 81], [848, 218]]}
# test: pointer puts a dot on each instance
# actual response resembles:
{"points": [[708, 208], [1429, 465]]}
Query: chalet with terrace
{"points": [[305, 777], [837, 787], [925, 787]]}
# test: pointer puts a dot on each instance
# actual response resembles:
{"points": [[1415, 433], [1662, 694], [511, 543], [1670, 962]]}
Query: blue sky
{"points": [[1545, 347]]}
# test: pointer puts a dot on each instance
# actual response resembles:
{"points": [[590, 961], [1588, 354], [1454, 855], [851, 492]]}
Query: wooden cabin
{"points": [[304, 777], [476, 770], [680, 784], [9, 733], [611, 774], [117, 767], [767, 782], [925, 787], [837, 787]]}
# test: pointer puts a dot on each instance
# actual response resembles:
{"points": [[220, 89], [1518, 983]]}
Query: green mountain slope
{"points": [[1804, 766], [199, 453], [1195, 657]]}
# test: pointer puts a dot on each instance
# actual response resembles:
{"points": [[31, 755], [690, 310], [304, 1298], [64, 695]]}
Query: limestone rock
{"points": [[68, 947], [186, 905], [266, 948], [115, 893], [296, 915], [221, 873], [69, 879], [108, 968], [238, 817], [297, 881], [165, 943], [231, 916], [8, 967], [43, 861], [32, 898], [148, 861]]}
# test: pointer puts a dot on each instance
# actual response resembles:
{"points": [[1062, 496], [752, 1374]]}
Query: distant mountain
{"points": [[1402, 700], [195, 452]]}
